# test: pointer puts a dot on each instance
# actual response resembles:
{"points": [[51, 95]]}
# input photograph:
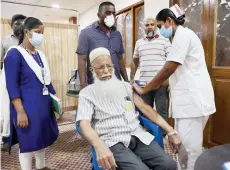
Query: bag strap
{"points": [[74, 76]]}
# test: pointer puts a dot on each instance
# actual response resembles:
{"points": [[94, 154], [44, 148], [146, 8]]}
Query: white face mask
{"points": [[36, 39], [109, 21]]}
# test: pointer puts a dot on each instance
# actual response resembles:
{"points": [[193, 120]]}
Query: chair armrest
{"points": [[154, 128]]}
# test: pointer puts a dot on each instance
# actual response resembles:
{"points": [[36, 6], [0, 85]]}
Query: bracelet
{"points": [[172, 133]]}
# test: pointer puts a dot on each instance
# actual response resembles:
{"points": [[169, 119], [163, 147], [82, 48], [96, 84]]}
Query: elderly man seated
{"points": [[108, 120]]}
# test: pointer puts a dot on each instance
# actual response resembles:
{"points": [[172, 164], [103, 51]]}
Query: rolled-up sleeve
{"points": [[85, 108], [83, 44], [12, 64]]}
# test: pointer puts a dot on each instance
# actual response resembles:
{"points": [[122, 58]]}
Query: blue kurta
{"points": [[22, 83]]}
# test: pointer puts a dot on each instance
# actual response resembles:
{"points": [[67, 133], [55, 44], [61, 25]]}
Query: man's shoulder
{"points": [[6, 38], [87, 29], [86, 91], [139, 41]]}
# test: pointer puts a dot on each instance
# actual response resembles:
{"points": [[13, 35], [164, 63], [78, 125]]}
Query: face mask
{"points": [[109, 21], [36, 39], [166, 32]]}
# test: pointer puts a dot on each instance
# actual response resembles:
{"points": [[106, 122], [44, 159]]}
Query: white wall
{"points": [[152, 7], [89, 16]]}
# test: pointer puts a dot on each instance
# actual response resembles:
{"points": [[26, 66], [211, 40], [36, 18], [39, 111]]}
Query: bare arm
{"points": [[104, 155], [89, 133], [82, 60], [152, 114], [174, 139], [168, 69], [134, 66], [123, 69]]}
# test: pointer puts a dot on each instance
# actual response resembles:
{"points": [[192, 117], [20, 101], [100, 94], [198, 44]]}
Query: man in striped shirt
{"points": [[151, 52], [108, 120]]}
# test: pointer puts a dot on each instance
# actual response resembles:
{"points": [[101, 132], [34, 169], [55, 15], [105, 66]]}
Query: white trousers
{"points": [[190, 131], [25, 160]]}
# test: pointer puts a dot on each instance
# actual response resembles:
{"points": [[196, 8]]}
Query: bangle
{"points": [[172, 133]]}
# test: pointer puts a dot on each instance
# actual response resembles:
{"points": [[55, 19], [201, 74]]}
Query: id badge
{"points": [[45, 91]]}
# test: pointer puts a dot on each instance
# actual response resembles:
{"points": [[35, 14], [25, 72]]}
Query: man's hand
{"points": [[105, 157], [174, 142], [132, 81], [83, 85], [138, 89]]}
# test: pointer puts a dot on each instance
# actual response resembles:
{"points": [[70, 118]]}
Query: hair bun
{"points": [[180, 20]]}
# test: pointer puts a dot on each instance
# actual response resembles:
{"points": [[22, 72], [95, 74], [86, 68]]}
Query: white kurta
{"points": [[191, 92]]}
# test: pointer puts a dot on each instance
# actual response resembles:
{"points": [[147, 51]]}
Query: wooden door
{"points": [[217, 47], [210, 20], [129, 20], [139, 23]]}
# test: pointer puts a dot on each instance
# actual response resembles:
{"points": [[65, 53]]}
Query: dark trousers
{"points": [[160, 97], [139, 156]]}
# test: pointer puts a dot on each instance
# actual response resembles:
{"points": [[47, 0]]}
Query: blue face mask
{"points": [[166, 32]]}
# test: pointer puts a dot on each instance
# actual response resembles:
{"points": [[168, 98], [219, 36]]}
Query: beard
{"points": [[16, 32], [108, 88], [150, 34]]}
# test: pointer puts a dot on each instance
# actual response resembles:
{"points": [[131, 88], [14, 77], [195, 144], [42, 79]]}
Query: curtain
{"points": [[59, 46]]}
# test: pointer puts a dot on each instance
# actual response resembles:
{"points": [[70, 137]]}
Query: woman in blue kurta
{"points": [[33, 123]]}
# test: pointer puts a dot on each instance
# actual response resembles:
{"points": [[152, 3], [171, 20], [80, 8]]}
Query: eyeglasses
{"points": [[101, 68]]}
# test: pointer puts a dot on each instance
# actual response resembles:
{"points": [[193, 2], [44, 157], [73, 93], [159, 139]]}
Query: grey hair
{"points": [[149, 18]]}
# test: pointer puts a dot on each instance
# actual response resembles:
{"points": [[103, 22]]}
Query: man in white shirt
{"points": [[108, 120], [151, 53], [12, 39]]}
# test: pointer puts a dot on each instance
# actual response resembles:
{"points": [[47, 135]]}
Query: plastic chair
{"points": [[153, 128], [150, 126]]}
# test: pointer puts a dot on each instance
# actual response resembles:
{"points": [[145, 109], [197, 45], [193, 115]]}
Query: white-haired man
{"points": [[151, 53], [108, 120]]}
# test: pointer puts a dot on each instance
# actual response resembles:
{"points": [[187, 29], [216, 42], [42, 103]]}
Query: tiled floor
{"points": [[69, 152]]}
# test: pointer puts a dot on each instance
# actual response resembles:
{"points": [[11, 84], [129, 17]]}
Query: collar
{"points": [[12, 35], [156, 36], [96, 25]]}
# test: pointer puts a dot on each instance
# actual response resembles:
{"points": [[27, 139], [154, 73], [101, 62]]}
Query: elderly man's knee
{"points": [[168, 163]]}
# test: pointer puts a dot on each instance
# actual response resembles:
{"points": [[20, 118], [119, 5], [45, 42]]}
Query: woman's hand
{"points": [[138, 89], [22, 120]]}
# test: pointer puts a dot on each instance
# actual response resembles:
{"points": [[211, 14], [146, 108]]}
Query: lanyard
{"points": [[42, 69], [39, 63]]}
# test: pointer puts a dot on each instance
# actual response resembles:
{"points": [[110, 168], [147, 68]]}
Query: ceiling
{"points": [[47, 14]]}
